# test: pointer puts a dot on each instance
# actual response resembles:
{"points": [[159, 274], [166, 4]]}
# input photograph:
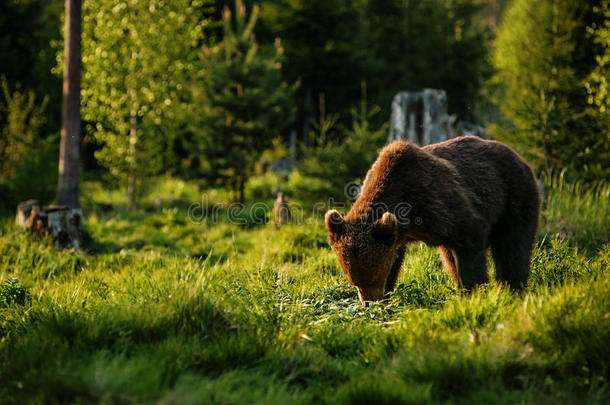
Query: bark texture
{"points": [[69, 155]]}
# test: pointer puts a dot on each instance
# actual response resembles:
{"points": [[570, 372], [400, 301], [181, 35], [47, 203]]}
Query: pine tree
{"points": [[324, 53], [542, 57], [392, 45], [26, 59], [333, 165], [436, 44], [598, 88], [243, 102]]}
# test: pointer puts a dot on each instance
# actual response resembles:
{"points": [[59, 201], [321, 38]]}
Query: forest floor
{"points": [[174, 304]]}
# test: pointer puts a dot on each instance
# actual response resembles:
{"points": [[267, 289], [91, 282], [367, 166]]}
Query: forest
{"points": [[199, 144]]}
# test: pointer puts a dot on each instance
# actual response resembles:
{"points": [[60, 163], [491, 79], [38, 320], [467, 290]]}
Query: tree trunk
{"points": [[493, 18], [69, 155], [242, 186], [308, 110], [133, 139], [132, 151]]}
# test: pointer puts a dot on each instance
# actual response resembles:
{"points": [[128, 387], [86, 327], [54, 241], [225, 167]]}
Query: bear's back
{"points": [[490, 169], [474, 157]]}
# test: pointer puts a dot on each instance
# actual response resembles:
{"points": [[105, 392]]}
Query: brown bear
{"points": [[463, 196]]}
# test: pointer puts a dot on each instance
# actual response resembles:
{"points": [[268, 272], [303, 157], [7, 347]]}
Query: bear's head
{"points": [[366, 251]]}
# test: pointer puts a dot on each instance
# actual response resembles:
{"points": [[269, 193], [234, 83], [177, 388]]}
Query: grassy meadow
{"points": [[172, 306]]}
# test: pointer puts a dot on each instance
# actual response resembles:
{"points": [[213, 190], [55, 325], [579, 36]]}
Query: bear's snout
{"points": [[370, 294]]}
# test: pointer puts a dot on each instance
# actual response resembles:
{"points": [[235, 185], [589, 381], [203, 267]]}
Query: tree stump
{"points": [[421, 117], [281, 211], [437, 123], [407, 117], [60, 222]]}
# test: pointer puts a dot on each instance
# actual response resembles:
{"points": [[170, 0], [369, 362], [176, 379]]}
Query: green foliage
{"points": [[598, 88], [556, 263], [166, 308], [577, 212], [30, 28], [11, 292], [309, 188], [21, 120], [30, 100], [334, 45], [570, 329], [240, 103], [35, 174], [194, 302], [542, 57], [321, 39], [329, 166], [28, 161], [427, 44], [597, 85], [263, 187], [483, 310], [137, 56]]}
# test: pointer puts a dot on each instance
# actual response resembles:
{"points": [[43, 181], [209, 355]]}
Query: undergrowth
{"points": [[166, 309]]}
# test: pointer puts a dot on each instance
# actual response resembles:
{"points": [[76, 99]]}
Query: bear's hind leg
{"points": [[512, 251], [471, 268], [450, 263], [393, 276], [512, 238]]}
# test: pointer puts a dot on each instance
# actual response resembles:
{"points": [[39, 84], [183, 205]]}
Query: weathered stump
{"points": [[437, 123], [407, 117], [421, 117], [60, 222], [281, 211]]}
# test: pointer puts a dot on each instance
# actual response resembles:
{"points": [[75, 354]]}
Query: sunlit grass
{"points": [[577, 212], [165, 309]]}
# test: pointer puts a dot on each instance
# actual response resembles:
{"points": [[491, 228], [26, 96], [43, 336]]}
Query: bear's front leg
{"points": [[393, 276]]}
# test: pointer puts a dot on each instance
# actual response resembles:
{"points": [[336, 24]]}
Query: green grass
{"points": [[166, 310], [578, 213]]}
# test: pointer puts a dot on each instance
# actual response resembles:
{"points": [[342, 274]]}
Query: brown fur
{"points": [[463, 196]]}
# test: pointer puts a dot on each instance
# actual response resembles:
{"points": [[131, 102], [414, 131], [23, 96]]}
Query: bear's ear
{"points": [[385, 230], [334, 222]]}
